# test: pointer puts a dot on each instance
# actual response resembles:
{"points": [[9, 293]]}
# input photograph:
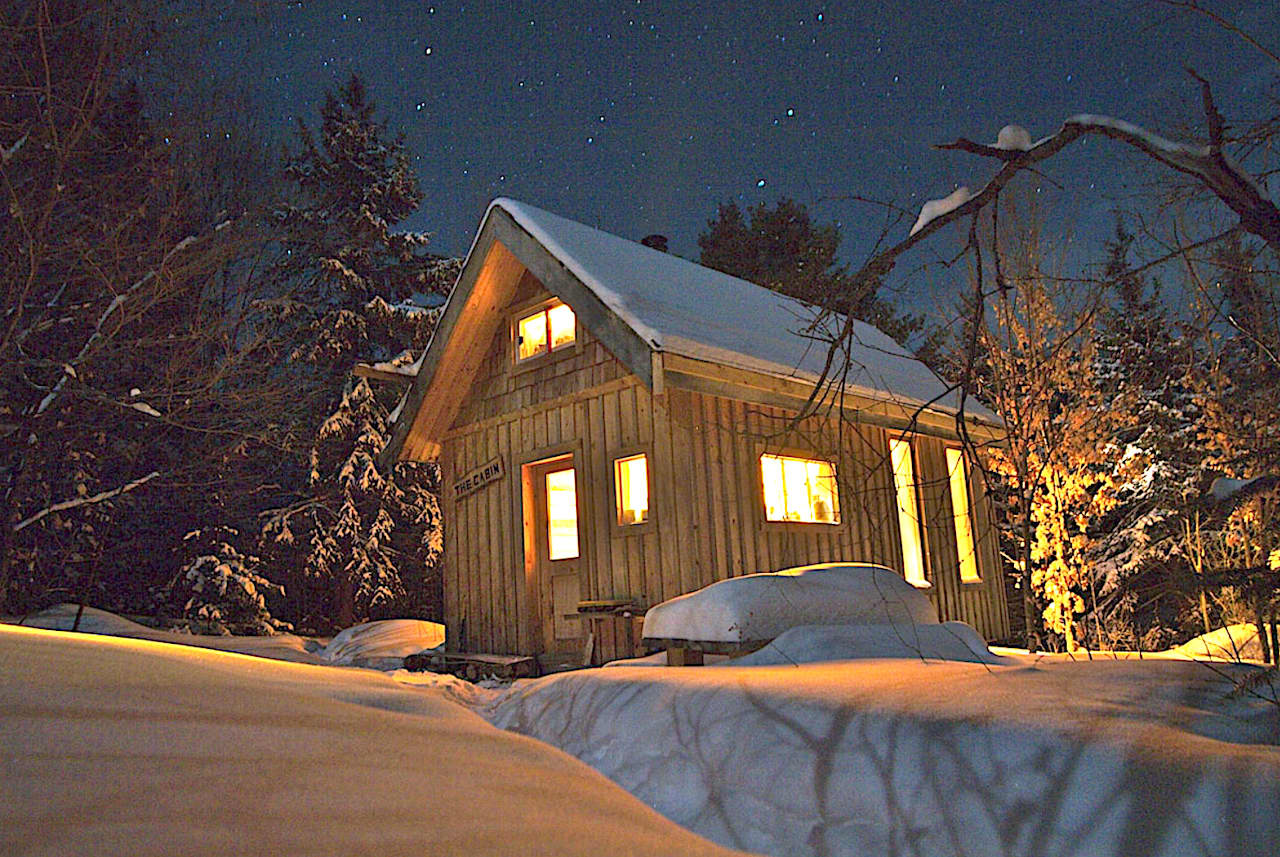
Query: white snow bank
{"points": [[949, 641], [1232, 643], [1013, 138], [284, 647], [370, 643], [1073, 759], [122, 746], [935, 208], [757, 607]]}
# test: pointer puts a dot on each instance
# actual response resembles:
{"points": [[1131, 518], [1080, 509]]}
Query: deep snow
{"points": [[133, 747], [920, 746], [1034, 757]]}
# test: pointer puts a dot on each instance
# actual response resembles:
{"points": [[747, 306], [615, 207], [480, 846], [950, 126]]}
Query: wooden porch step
{"points": [[474, 666]]}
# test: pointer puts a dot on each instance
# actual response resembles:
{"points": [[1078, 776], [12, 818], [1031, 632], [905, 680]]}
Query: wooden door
{"points": [[557, 546]]}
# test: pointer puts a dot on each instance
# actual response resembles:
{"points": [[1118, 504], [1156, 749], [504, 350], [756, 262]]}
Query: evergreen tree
{"points": [[782, 249], [360, 543]]}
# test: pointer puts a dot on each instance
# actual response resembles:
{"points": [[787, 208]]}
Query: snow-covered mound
{"points": [[759, 607], [62, 617], [950, 641], [1232, 643], [282, 647], [1035, 757], [128, 747], [387, 639]]}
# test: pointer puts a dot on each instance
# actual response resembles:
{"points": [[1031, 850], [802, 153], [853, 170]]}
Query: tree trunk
{"points": [[1030, 615], [1261, 624]]}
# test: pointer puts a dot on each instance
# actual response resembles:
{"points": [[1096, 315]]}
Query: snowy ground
{"points": [[110, 743], [130, 746], [1029, 757]]}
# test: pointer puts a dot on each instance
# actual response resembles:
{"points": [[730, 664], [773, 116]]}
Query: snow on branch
{"points": [[1217, 171], [85, 501]]}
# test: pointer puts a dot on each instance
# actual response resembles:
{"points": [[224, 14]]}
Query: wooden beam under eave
{"points": [[448, 371], [364, 370]]}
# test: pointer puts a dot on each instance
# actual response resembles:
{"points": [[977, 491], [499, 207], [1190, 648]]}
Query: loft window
{"points": [[799, 489], [631, 476], [962, 515], [904, 483], [544, 331]]}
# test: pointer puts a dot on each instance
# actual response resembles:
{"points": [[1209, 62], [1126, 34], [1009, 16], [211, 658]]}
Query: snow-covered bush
{"points": [[221, 590]]}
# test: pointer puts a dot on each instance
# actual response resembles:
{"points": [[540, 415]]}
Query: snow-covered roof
{"points": [[679, 307]]}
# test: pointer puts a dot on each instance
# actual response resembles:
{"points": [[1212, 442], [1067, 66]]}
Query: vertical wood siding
{"points": [[706, 505]]}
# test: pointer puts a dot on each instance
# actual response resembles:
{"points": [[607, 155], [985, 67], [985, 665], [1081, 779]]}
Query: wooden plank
{"points": [[731, 527], [708, 418], [647, 584], [665, 470], [682, 493], [699, 477], [449, 561], [495, 568]]}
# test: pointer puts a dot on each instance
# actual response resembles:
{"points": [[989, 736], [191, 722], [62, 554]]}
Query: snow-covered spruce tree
{"points": [[359, 543], [1149, 458], [369, 539], [220, 590]]}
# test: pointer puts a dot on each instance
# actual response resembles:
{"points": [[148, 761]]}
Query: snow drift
{"points": [[949, 641], [130, 747], [380, 643], [849, 758], [759, 607]]}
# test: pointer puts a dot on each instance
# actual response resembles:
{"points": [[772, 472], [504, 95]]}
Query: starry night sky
{"points": [[641, 116]]}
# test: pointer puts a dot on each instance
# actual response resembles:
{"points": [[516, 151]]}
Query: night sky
{"points": [[642, 116]]}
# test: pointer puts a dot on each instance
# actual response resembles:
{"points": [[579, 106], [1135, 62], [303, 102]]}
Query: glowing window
{"points": [[631, 475], [544, 331], [799, 489], [963, 517], [562, 515], [904, 481]]}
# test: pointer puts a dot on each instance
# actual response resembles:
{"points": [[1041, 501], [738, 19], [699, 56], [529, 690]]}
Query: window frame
{"points": [[965, 470], [802, 455], [921, 535], [528, 310], [619, 454]]}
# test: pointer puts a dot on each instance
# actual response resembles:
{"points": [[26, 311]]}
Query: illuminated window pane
{"points": [[562, 515], [561, 321], [532, 336], [963, 518], [632, 478], [904, 481], [799, 489]]}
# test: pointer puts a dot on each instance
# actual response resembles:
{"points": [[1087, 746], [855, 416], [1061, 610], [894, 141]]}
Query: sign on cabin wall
{"points": [[490, 471]]}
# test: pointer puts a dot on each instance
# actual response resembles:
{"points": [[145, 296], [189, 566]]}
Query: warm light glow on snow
{"points": [[904, 481], [799, 489], [962, 516], [562, 515], [632, 478]]}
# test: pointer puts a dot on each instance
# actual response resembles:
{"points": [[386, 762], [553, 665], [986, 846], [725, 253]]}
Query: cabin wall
{"points": [[707, 518], [706, 501]]}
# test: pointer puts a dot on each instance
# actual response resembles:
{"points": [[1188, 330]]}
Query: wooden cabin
{"points": [[614, 427]]}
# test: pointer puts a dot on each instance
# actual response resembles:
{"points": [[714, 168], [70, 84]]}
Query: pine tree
{"points": [[361, 543], [782, 249]]}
